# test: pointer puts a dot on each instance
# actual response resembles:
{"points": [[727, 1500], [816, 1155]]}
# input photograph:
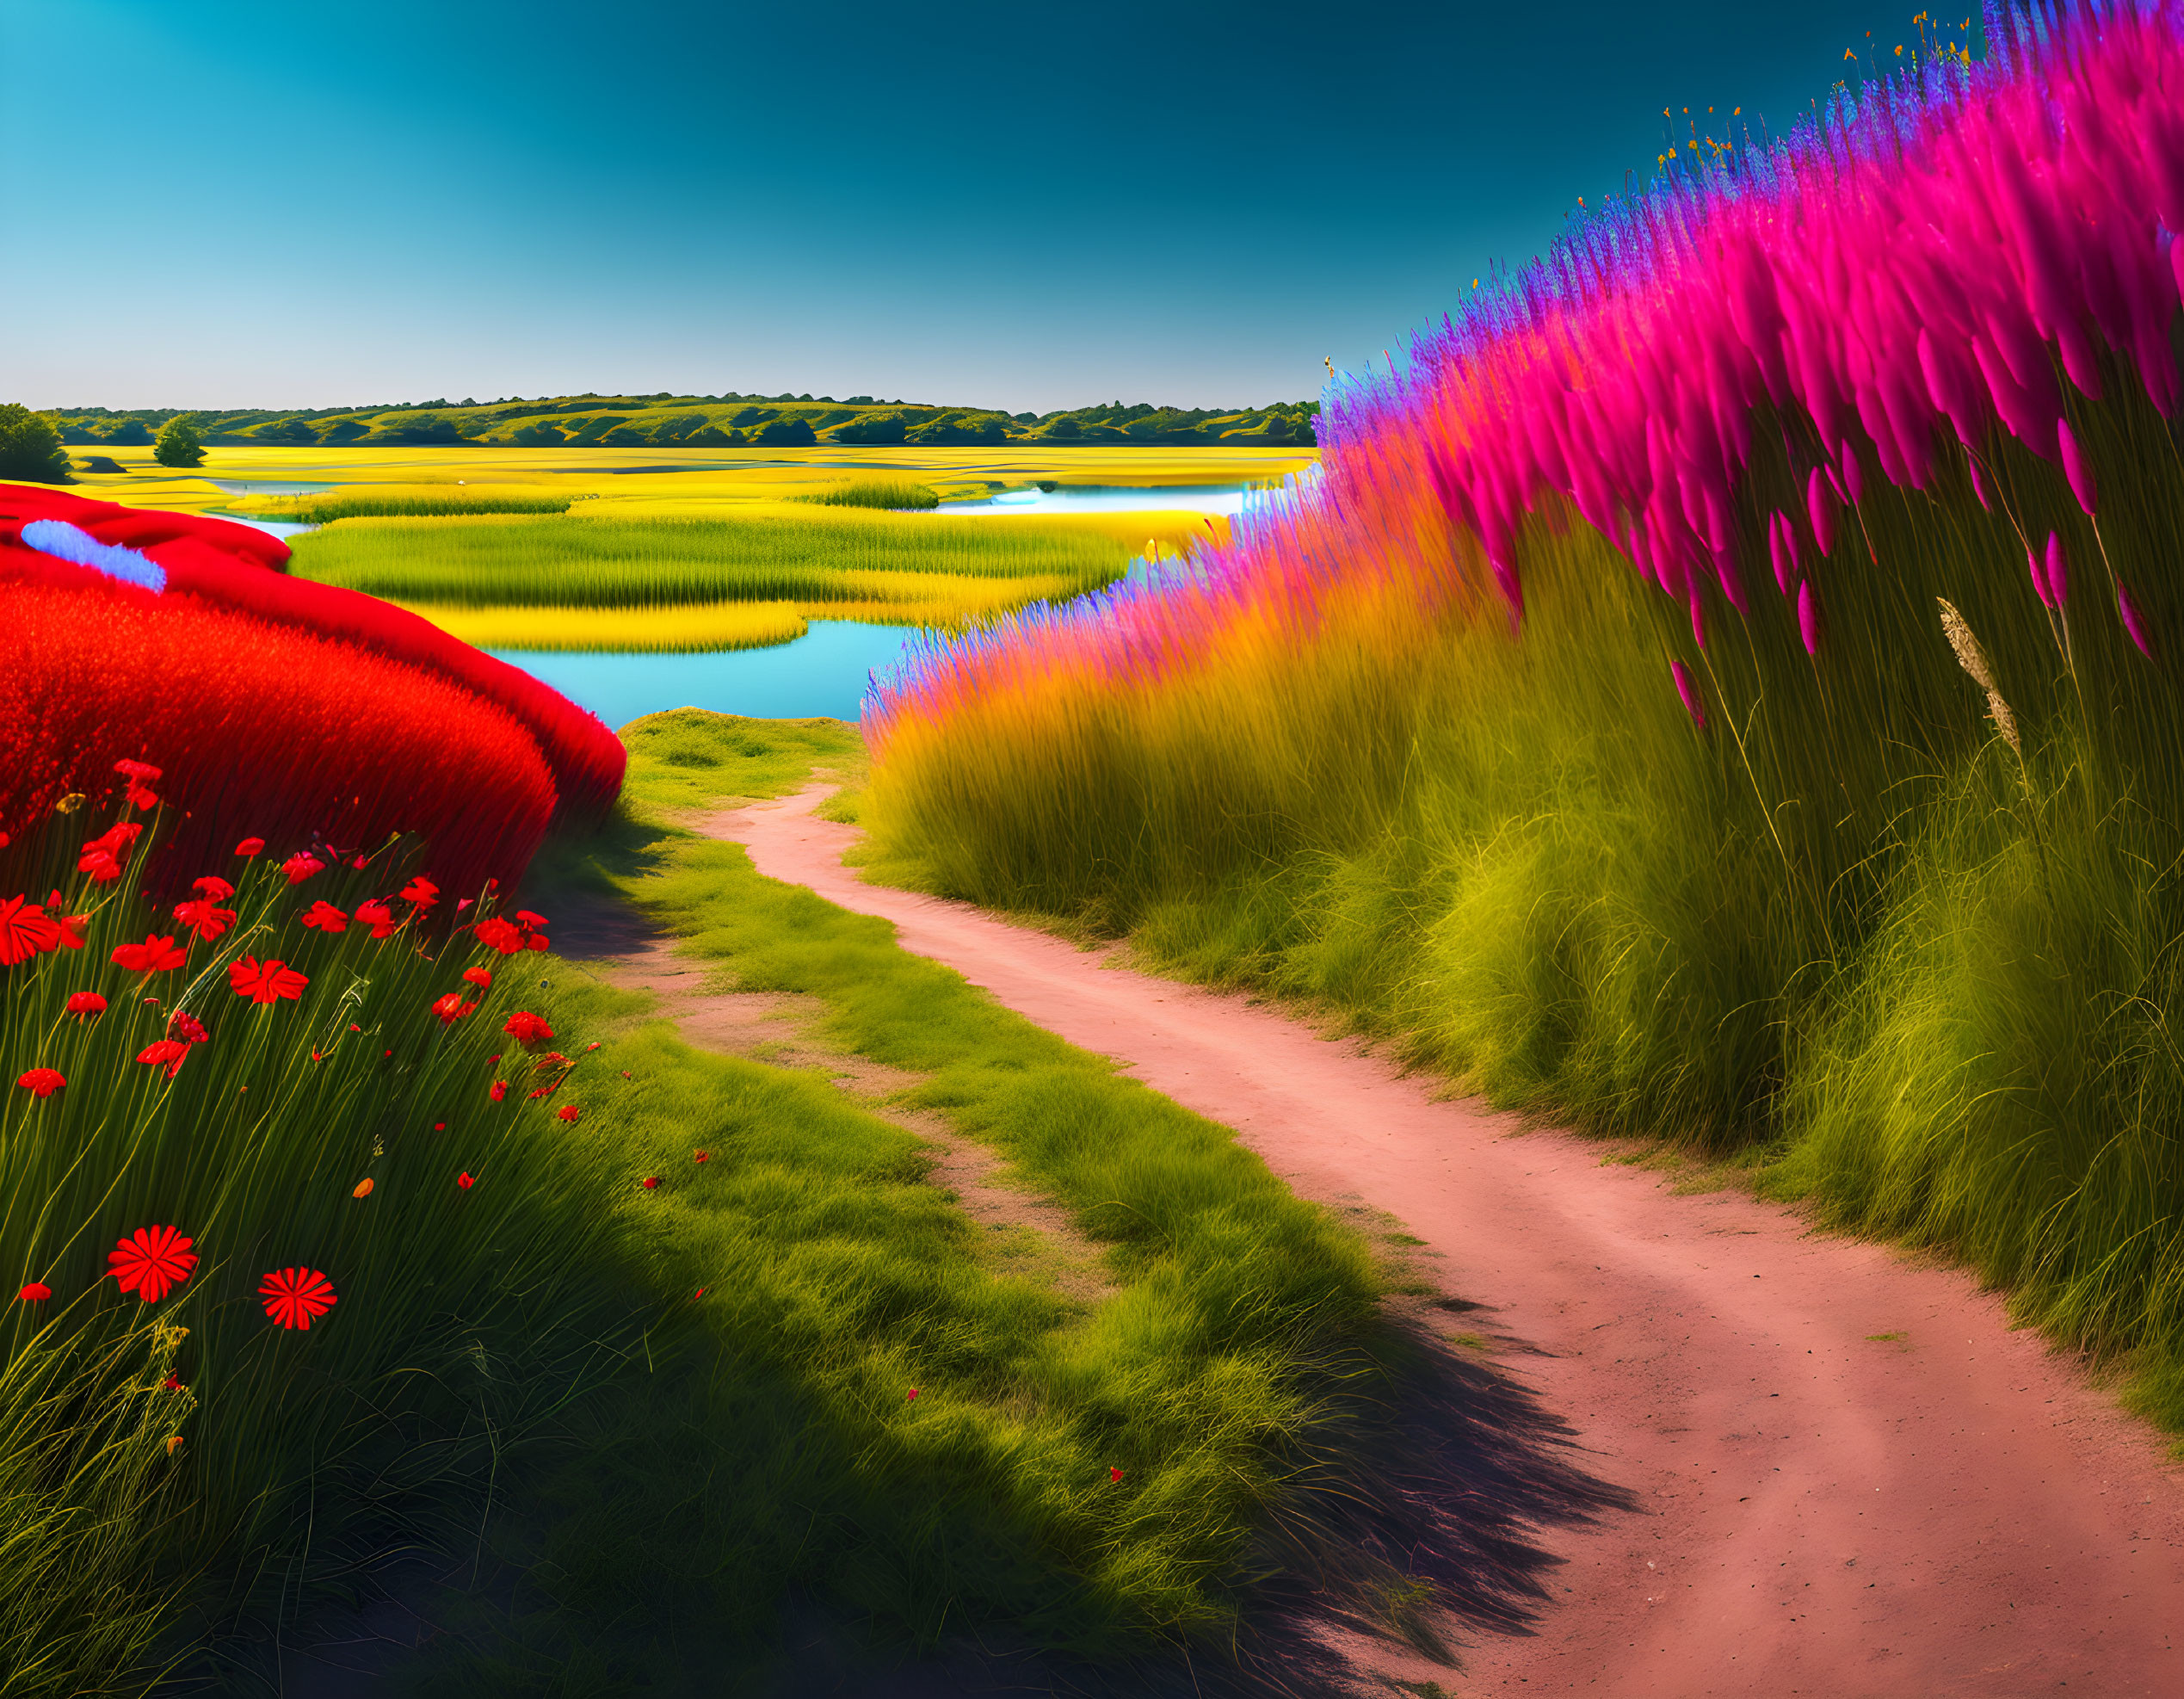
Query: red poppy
{"points": [[42, 1082], [261, 982], [110, 847], [627, 1074], [464, 1180], [101, 866], [138, 770], [461, 903], [204, 919], [71, 926], [542, 1091], [499, 1091], [376, 915], [139, 797], [698, 1293], [213, 888], [568, 1112], [528, 1029], [702, 1156], [250, 846], [155, 955], [302, 865], [325, 917], [150, 1261], [36, 1293], [361, 862], [173, 1051], [496, 934], [1114, 1475], [187, 1027], [440, 1127], [452, 1008], [25, 930], [590, 1047], [537, 941], [650, 1183], [529, 920], [912, 1398], [421, 891], [479, 977], [293, 1296], [86, 1003], [171, 1384]]}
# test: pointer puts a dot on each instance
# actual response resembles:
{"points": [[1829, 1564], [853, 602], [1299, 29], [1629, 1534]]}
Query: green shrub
{"points": [[30, 446]]}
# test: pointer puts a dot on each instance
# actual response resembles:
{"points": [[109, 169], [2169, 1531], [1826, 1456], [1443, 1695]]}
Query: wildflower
{"points": [[2058, 570], [141, 796], [452, 1008], [363, 1188], [301, 866], [293, 1296], [421, 891], [71, 925], [912, 1398], [376, 915], [86, 1004], [479, 977], [171, 1384], [698, 1293], [528, 1029], [1809, 618], [174, 1444], [497, 934], [650, 1183], [42, 1082], [36, 1293], [187, 1027], [1114, 1475], [324, 916], [568, 1112], [627, 1074], [702, 1156], [542, 1092], [170, 1052], [102, 856], [360, 862], [24, 931], [499, 1091], [1687, 688], [1821, 511], [143, 772], [101, 866], [2074, 467], [2134, 621], [250, 846], [154, 955], [212, 888], [150, 1262], [589, 1048], [464, 1180], [530, 922], [263, 982], [204, 917], [440, 1127]]}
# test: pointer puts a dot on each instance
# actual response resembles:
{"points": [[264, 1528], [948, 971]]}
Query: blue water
{"points": [[261, 486], [1109, 498], [823, 672], [272, 528]]}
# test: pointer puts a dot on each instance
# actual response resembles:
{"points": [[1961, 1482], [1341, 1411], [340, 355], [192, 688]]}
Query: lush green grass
{"points": [[841, 557], [881, 492], [1843, 924], [416, 501]]}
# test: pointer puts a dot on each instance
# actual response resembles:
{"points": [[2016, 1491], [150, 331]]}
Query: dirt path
{"points": [[1854, 1478]]}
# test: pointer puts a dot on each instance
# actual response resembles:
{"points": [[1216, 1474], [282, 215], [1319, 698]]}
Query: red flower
{"points": [[912, 1398], [102, 856], [36, 1293], [151, 1261], [205, 919], [497, 934], [479, 977], [528, 1029], [293, 1296], [650, 1183], [187, 1027], [263, 982], [376, 915], [250, 846], [302, 865], [140, 770], [154, 955], [541, 1091], [537, 941], [702, 1156], [86, 1003], [101, 867], [1114, 1475], [361, 862], [171, 1384], [499, 1091], [326, 917], [173, 1051], [421, 891], [568, 1112], [464, 1180], [452, 1008], [138, 797], [71, 926], [529, 920], [589, 1047], [24, 931], [42, 1082], [213, 888]]}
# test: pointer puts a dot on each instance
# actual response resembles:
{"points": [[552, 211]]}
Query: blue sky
{"points": [[227, 203]]}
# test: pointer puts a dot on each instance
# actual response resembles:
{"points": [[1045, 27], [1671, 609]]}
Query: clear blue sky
{"points": [[230, 203]]}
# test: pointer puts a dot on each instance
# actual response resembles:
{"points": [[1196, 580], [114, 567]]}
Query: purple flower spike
{"points": [[1853, 475], [1808, 619], [2038, 569], [2074, 467], [1821, 514], [2134, 622], [1979, 485], [1777, 553], [1687, 688], [2058, 571]]}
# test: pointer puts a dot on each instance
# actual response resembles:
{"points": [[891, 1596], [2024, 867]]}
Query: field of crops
{"points": [[1725, 687]]}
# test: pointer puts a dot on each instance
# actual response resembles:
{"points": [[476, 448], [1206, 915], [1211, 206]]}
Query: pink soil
{"points": [[1955, 1511]]}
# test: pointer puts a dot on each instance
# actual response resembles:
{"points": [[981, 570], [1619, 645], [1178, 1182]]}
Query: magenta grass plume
{"points": [[2056, 589], [2134, 621]]}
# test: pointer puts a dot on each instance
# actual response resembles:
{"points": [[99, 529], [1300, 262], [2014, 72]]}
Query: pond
{"points": [[1227, 498], [823, 672], [260, 486]]}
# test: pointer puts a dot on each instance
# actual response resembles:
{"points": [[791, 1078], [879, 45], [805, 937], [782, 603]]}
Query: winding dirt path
{"points": [[1854, 1478]]}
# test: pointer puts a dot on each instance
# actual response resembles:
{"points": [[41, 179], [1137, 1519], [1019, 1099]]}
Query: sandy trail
{"points": [[1945, 1508]]}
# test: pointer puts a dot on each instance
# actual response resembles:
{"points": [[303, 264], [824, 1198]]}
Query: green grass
{"points": [[830, 556], [413, 501], [879, 492]]}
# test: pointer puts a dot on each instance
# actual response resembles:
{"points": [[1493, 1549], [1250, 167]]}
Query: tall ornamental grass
{"points": [[1721, 685]]}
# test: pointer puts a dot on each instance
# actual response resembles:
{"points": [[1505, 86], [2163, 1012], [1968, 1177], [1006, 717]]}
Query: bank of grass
{"points": [[687, 627], [410, 501], [1843, 925], [897, 493]]}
